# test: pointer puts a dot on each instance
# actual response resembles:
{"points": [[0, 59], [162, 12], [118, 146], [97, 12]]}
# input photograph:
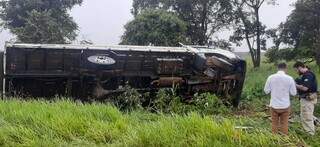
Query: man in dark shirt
{"points": [[307, 87]]}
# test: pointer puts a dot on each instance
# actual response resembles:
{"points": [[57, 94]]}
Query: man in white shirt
{"points": [[281, 86]]}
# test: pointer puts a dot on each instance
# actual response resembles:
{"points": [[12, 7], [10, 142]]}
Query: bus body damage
{"points": [[40, 70]]}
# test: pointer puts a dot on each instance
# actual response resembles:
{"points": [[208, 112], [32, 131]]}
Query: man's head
{"points": [[282, 67], [300, 67]]}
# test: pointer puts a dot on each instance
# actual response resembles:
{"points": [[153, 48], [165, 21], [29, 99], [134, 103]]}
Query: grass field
{"points": [[66, 123]]}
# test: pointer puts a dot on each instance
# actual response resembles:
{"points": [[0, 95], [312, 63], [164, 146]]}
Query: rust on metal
{"points": [[168, 81]]}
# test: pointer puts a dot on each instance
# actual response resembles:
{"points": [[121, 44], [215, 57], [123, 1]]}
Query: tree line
{"points": [[168, 22], [301, 31]]}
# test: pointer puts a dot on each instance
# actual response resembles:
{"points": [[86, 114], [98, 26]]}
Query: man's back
{"points": [[281, 86]]}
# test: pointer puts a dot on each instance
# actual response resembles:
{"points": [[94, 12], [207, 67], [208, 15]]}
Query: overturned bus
{"points": [[85, 71]]}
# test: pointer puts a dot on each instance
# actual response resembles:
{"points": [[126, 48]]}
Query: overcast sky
{"points": [[102, 21]]}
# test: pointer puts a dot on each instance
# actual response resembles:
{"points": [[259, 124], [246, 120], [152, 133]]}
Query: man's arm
{"points": [[293, 88], [306, 83], [302, 88], [267, 87]]}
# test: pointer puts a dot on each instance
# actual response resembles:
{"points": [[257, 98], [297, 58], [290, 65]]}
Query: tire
{"points": [[236, 99]]}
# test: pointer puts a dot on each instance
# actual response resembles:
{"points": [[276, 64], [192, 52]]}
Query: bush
{"points": [[167, 101], [272, 56], [275, 55], [206, 104], [209, 104], [288, 54], [130, 100]]}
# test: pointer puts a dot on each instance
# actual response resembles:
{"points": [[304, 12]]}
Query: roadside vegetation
{"points": [[168, 122], [65, 123]]}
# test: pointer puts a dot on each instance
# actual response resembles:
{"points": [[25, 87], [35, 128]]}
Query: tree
{"points": [[155, 27], [248, 27], [203, 17], [275, 55], [222, 44], [277, 35], [302, 28], [39, 21]]}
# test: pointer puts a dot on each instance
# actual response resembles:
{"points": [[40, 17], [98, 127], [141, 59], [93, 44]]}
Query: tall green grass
{"points": [[65, 123]]}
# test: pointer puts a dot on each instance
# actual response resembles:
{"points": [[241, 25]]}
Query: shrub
{"points": [[206, 104], [275, 55], [288, 54], [209, 104], [130, 100], [272, 55]]}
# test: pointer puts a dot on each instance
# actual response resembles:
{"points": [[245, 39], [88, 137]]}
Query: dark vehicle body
{"points": [[84, 71]]}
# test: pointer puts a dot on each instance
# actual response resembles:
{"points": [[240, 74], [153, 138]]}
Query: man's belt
{"points": [[312, 96], [308, 95]]}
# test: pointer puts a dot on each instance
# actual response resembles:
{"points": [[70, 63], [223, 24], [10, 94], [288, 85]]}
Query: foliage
{"points": [[168, 102], [302, 28], [222, 44], [39, 21], [275, 55], [254, 82], [206, 104], [164, 101], [277, 35], [203, 17], [130, 100], [272, 55], [248, 27], [155, 27]]}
